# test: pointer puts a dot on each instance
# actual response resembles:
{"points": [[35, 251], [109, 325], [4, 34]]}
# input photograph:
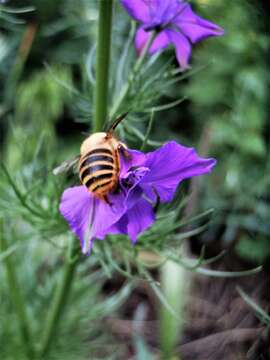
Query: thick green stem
{"points": [[101, 96], [16, 297], [60, 299], [103, 64], [137, 67]]}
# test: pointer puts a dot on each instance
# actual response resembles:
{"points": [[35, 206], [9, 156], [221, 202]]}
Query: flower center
{"points": [[156, 27]]}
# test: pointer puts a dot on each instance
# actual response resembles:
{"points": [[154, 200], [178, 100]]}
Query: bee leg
{"points": [[156, 206], [122, 147], [117, 189], [105, 198]]}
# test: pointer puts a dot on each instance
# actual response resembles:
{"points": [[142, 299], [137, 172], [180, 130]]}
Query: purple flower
{"points": [[143, 179], [175, 23]]}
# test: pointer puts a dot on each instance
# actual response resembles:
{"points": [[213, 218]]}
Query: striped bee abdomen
{"points": [[99, 170]]}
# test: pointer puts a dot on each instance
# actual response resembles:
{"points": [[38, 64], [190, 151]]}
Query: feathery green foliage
{"points": [[47, 72]]}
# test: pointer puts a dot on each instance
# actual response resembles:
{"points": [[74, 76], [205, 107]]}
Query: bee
{"points": [[99, 162]]}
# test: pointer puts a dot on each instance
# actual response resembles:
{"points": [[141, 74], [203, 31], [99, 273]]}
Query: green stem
{"points": [[60, 299], [148, 131], [16, 296], [101, 96], [103, 64], [137, 67], [17, 69]]}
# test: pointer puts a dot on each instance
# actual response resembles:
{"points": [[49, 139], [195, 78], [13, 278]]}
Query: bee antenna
{"points": [[116, 122]]}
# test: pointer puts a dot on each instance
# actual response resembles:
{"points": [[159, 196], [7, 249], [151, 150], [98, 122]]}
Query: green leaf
{"points": [[258, 310]]}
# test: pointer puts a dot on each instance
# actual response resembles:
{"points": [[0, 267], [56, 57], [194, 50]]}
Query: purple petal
{"points": [[75, 207], [182, 47], [135, 221], [163, 13], [120, 227], [141, 39], [160, 42], [169, 165], [195, 27], [140, 218], [130, 159], [138, 9], [168, 9], [129, 185], [89, 217]]}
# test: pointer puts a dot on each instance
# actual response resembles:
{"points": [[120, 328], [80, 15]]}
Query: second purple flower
{"points": [[175, 23]]}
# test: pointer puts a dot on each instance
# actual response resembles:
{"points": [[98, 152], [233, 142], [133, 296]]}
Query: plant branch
{"points": [[16, 297], [60, 299], [18, 193], [137, 67]]}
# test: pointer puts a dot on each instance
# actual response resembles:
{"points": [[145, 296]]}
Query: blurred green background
{"points": [[47, 56]]}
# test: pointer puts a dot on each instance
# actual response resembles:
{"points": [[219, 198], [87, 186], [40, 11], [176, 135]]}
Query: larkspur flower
{"points": [[175, 23], [143, 178]]}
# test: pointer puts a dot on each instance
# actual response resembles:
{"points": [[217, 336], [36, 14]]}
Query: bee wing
{"points": [[66, 165]]}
